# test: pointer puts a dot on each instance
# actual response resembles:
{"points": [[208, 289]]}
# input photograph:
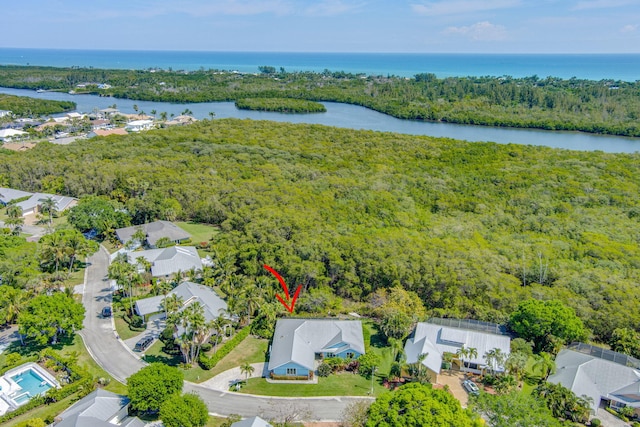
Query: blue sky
{"points": [[456, 26]]}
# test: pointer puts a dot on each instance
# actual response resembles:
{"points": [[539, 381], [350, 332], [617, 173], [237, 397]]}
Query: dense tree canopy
{"points": [[514, 409], [23, 106], [418, 405], [153, 385], [47, 317], [187, 410], [472, 228], [539, 321]]}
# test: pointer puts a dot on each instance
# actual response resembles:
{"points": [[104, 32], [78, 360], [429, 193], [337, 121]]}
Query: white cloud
{"points": [[433, 8], [481, 31], [603, 4], [629, 28]]}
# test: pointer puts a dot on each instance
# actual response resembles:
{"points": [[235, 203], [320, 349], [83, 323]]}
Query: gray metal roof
{"points": [[437, 339], [190, 292], [168, 261], [9, 194], [154, 231], [36, 199], [93, 410], [597, 378], [251, 422], [298, 340]]}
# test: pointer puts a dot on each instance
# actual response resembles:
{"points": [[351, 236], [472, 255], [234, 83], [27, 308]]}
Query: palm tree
{"points": [[49, 206], [516, 364], [462, 354], [163, 116], [212, 115], [172, 304], [472, 353], [15, 220], [544, 361], [494, 357], [247, 369]]}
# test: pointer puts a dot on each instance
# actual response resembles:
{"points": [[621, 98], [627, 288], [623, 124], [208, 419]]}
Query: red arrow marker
{"points": [[286, 290]]}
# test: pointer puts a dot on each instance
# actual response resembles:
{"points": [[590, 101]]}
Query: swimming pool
{"points": [[31, 384]]}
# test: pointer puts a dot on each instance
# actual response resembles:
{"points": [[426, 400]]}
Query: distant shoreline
{"points": [[624, 67]]}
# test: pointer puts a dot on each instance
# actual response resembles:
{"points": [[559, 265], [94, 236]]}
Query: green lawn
{"points": [[342, 384], [251, 350], [378, 345], [199, 232], [122, 327]]}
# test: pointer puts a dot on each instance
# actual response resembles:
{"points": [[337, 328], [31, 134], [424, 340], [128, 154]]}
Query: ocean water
{"points": [[625, 67]]}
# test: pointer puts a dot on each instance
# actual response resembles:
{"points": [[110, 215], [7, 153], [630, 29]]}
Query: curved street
{"points": [[114, 357]]}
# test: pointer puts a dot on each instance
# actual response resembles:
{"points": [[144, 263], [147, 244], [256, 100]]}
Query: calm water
{"points": [[355, 117], [624, 67], [32, 383]]}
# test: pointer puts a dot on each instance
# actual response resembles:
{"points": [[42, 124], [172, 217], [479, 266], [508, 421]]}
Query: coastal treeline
{"points": [[472, 228], [605, 106], [280, 105], [24, 106]]}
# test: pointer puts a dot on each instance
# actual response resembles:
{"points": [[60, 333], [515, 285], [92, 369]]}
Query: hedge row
{"points": [[209, 362]]}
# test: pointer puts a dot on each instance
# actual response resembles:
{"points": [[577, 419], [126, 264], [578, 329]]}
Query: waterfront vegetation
{"points": [[472, 228], [280, 105], [23, 106], [605, 106]]}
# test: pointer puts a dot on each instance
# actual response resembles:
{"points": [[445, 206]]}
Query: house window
{"points": [[330, 355], [617, 405], [350, 355], [291, 371]]}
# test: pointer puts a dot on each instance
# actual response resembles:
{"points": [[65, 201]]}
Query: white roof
{"points": [[190, 292], [298, 340], [251, 422], [140, 122], [436, 340], [168, 261], [8, 133], [9, 194], [597, 378]]}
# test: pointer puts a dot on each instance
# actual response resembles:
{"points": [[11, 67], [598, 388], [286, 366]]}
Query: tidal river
{"points": [[355, 117]]}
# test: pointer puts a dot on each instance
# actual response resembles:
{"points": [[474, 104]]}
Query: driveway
{"points": [[98, 332], [155, 325], [454, 381]]}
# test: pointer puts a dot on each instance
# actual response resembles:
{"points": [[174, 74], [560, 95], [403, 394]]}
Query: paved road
{"points": [[278, 408], [111, 353], [98, 334]]}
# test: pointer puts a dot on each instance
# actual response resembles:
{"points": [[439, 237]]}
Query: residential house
{"points": [[107, 132], [11, 134], [169, 261], [435, 340], [5, 113], [139, 125], [189, 292], [154, 231], [251, 422], [604, 381], [100, 408], [32, 204], [298, 342], [108, 112]]}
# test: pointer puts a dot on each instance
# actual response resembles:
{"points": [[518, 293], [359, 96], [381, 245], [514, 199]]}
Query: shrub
{"points": [[337, 364], [136, 322], [353, 366], [12, 359], [324, 370], [206, 347], [595, 422], [167, 335]]}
